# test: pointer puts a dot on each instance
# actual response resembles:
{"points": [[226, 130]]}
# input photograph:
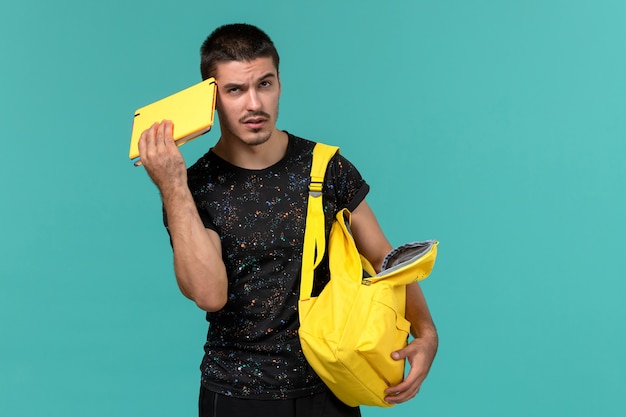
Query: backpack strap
{"points": [[314, 233]]}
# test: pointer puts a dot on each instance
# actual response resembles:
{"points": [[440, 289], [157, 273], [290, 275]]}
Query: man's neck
{"points": [[253, 157]]}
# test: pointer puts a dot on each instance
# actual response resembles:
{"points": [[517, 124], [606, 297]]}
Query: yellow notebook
{"points": [[191, 110]]}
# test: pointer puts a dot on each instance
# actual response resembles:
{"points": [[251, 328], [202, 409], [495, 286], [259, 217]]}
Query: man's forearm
{"points": [[418, 314], [198, 264]]}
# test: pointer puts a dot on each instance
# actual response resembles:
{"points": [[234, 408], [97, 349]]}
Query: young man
{"points": [[236, 219]]}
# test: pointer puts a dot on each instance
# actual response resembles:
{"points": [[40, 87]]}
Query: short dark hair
{"points": [[235, 42]]}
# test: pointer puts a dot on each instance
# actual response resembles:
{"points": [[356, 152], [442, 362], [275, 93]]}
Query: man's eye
{"points": [[233, 90], [265, 84]]}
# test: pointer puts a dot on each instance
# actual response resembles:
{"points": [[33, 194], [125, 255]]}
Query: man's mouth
{"points": [[255, 122]]}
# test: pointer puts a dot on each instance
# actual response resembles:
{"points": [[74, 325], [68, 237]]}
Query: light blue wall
{"points": [[496, 127]]}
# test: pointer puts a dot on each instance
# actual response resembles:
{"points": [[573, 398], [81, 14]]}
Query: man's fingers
{"points": [[164, 133], [155, 139], [146, 141], [169, 130]]}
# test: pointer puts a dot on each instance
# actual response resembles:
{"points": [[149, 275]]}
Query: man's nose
{"points": [[254, 102]]}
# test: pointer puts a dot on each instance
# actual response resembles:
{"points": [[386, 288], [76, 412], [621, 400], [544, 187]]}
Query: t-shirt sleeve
{"points": [[346, 183], [206, 220]]}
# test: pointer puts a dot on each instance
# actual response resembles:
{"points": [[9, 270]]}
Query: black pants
{"points": [[324, 404]]}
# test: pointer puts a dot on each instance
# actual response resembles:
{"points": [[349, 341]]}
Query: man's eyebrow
{"points": [[240, 85], [230, 85]]}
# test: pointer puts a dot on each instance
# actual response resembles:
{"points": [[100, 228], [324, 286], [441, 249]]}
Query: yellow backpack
{"points": [[349, 331]]}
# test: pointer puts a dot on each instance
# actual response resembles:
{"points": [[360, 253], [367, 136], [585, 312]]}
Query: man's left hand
{"points": [[420, 353]]}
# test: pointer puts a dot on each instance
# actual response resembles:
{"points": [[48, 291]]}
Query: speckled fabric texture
{"points": [[252, 348]]}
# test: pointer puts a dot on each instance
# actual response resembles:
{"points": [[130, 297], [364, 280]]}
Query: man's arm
{"points": [[198, 264], [368, 236], [420, 353]]}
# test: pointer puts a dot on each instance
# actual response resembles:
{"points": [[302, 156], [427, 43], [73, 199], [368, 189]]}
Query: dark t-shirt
{"points": [[252, 347]]}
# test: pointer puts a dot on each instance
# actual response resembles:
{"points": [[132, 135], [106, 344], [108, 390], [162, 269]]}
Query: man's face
{"points": [[247, 99]]}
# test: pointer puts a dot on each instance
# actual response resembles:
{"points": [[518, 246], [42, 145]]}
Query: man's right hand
{"points": [[161, 157], [198, 264]]}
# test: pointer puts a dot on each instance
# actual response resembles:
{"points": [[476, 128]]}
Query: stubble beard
{"points": [[264, 137], [258, 140]]}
